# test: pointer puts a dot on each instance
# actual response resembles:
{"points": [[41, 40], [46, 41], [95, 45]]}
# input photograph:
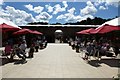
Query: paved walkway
{"points": [[60, 61]]}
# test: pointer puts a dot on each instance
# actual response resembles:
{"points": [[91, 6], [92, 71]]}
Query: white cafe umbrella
{"points": [[113, 22], [3, 21]]}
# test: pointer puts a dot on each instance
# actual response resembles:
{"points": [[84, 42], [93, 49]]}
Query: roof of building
{"points": [[63, 25]]}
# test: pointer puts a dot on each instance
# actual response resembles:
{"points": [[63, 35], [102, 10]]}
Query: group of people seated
{"points": [[95, 48], [19, 48], [16, 49]]}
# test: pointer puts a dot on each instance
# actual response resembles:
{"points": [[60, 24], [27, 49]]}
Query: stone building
{"points": [[51, 32]]}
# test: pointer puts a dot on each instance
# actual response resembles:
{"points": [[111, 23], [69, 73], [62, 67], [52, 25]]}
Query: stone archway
{"points": [[58, 36]]}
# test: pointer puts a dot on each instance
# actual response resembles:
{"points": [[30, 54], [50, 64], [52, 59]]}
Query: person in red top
{"points": [[8, 49]]}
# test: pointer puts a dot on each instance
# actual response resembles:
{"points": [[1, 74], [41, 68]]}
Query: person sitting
{"points": [[8, 49], [31, 51], [23, 46], [89, 51], [45, 43], [73, 44], [77, 47], [36, 46], [20, 51]]}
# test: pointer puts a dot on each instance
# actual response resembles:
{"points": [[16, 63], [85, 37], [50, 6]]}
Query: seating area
{"points": [[76, 56], [93, 48], [19, 48]]}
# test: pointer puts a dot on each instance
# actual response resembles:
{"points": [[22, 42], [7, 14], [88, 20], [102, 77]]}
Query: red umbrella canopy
{"points": [[105, 29], [22, 31], [87, 31], [36, 32], [5, 27]]}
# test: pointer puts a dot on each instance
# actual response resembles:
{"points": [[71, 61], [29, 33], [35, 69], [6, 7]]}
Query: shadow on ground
{"points": [[20, 62], [94, 63], [109, 62], [6, 61]]}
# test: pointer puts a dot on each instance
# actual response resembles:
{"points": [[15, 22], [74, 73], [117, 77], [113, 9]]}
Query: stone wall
{"points": [[49, 32]]}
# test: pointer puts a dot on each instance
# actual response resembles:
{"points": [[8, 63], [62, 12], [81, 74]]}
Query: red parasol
{"points": [[105, 29], [36, 32], [5, 27], [22, 31], [87, 31]]}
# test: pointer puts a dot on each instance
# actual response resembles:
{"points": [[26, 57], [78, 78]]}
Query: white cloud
{"points": [[111, 2], [65, 4], [50, 8], [98, 2], [1, 2], [87, 16], [102, 8], [19, 17], [78, 18], [20, 22], [73, 18], [3, 13], [104, 4], [43, 17], [69, 17], [89, 3], [89, 9], [107, 3], [29, 6], [116, 4], [58, 8], [37, 9], [72, 10], [61, 17]]}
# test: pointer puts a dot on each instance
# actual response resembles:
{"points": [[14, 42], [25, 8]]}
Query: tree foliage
{"points": [[88, 21]]}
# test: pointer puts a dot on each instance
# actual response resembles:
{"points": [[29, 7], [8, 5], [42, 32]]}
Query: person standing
{"points": [[31, 51]]}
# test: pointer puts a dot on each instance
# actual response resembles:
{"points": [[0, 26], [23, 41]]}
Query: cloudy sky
{"points": [[22, 13]]}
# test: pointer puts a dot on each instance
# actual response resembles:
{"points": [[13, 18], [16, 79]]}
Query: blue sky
{"points": [[22, 13]]}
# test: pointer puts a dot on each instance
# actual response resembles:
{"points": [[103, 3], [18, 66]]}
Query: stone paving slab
{"points": [[59, 61]]}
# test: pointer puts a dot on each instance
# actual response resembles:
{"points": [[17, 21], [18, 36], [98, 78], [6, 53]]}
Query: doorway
{"points": [[58, 36]]}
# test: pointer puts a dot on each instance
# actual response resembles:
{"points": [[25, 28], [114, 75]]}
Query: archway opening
{"points": [[58, 36]]}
